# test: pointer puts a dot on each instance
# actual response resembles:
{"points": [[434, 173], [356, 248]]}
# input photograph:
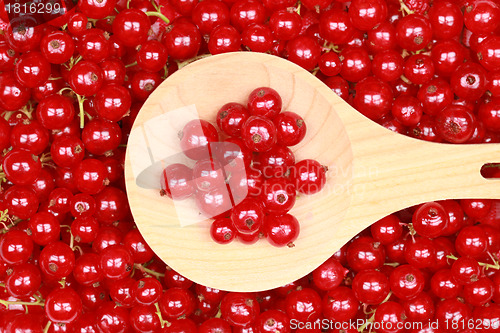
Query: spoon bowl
{"points": [[372, 172]]}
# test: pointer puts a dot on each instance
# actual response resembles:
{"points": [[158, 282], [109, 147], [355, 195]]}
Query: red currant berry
{"points": [[195, 138], [231, 118], [370, 286], [239, 309], [309, 176], [16, 247], [223, 231], [340, 304], [406, 282], [430, 220], [281, 230], [131, 27]]}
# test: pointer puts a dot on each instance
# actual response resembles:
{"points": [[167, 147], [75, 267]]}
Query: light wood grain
{"points": [[372, 173]]}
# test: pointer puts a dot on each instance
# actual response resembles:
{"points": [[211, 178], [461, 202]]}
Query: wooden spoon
{"points": [[373, 172]]}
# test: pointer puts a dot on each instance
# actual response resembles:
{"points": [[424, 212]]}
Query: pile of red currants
{"points": [[248, 181], [71, 257]]}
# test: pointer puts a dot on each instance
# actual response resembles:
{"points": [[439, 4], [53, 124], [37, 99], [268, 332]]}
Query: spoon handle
{"points": [[392, 171]]}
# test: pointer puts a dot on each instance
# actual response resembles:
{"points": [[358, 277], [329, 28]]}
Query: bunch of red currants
{"points": [[248, 181]]}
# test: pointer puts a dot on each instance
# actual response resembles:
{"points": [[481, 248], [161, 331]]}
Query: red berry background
{"points": [[71, 257]]}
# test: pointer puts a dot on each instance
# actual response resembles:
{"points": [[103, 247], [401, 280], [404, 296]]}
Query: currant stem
{"points": [[131, 64], [149, 271], [46, 329], [158, 313], [405, 9], [82, 111], [159, 15], [7, 303]]}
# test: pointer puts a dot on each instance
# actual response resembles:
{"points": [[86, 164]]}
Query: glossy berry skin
{"points": [[471, 241], [273, 321], [32, 69], [419, 68], [210, 14], [112, 102], [336, 27], [276, 162], [116, 262], [57, 47], [356, 63], [303, 304], [16, 247], [430, 220], [365, 253], [455, 124], [264, 102], [131, 27], [488, 53], [465, 270], [278, 195], [24, 280], [290, 128], [303, 51], [223, 39], [208, 174], [222, 231], [281, 230], [370, 286], [388, 65], [469, 81], [447, 55], [435, 95], [85, 78], [195, 138], [231, 117], [285, 25], [67, 151], [137, 246], [413, 32], [57, 260], [390, 315], [420, 308], [214, 325], [309, 176], [96, 9], [112, 318], [259, 134], [488, 114], [420, 252], [366, 14], [476, 208], [239, 309], [63, 305], [387, 230], [257, 37], [248, 216], [443, 284], [406, 282], [152, 56], [55, 112], [87, 270], [21, 167], [479, 292], [340, 304], [183, 41], [13, 95], [329, 274], [482, 17], [143, 318], [214, 203], [90, 176], [373, 98], [176, 302], [21, 201], [95, 45], [246, 13], [446, 20], [44, 228]]}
